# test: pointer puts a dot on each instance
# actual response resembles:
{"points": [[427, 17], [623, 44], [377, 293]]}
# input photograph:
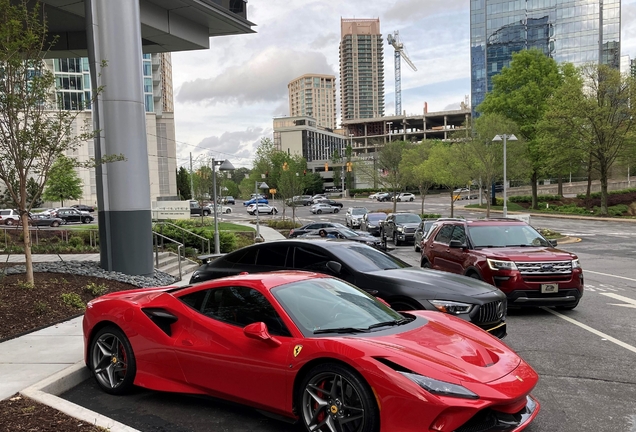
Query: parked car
{"points": [[38, 219], [84, 207], [346, 234], [385, 196], [315, 198], [222, 209], [299, 200], [73, 215], [374, 195], [310, 348], [323, 208], [509, 254], [371, 222], [354, 216], [197, 209], [328, 201], [295, 232], [228, 200], [405, 196], [421, 231], [262, 209], [261, 200], [400, 227], [9, 216], [404, 287]]}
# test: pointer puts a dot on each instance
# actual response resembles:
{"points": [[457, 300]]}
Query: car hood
{"points": [[527, 254], [446, 346], [435, 284], [409, 224]]}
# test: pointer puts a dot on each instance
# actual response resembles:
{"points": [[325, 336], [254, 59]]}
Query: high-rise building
{"points": [[575, 31], [361, 69], [313, 95], [73, 92]]}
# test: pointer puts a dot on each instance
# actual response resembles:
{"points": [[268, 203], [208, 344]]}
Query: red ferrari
{"points": [[312, 348]]}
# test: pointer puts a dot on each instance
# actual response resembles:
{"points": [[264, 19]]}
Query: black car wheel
{"points": [[336, 210], [474, 275], [335, 398], [55, 224], [206, 213], [86, 220], [425, 264], [411, 200], [112, 361], [9, 222], [318, 211]]}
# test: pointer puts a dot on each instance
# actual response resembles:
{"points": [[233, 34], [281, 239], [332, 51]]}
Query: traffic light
{"points": [[326, 166], [304, 172], [285, 166], [349, 166], [266, 174]]}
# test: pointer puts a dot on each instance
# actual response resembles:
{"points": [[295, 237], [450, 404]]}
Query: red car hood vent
{"points": [[435, 346]]}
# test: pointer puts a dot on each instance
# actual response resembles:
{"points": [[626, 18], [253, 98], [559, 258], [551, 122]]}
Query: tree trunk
{"points": [[588, 193], [534, 180], [487, 205], [560, 187], [28, 258], [452, 204], [603, 170]]}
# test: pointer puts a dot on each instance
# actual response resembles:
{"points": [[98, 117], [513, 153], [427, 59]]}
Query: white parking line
{"points": [[592, 330], [628, 302], [611, 275]]}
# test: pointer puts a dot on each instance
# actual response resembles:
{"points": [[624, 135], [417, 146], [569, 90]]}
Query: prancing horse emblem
{"points": [[297, 350]]}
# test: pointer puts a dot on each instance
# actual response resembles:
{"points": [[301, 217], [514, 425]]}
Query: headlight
{"points": [[451, 307], [441, 388], [400, 229], [371, 226], [576, 264], [501, 265]]}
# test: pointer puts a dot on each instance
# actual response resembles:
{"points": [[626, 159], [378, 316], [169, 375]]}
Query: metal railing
{"points": [[93, 234], [185, 232], [155, 240]]}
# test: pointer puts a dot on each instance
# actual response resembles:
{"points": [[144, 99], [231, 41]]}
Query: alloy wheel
{"points": [[112, 361]]}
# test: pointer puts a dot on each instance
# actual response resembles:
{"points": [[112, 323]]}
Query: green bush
{"points": [[618, 210], [96, 290], [73, 300], [596, 195], [283, 224], [528, 198], [76, 241], [430, 215]]}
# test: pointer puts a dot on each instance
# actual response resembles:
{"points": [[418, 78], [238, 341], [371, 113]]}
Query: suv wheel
{"points": [[9, 222], [206, 213], [474, 275], [336, 210], [425, 264], [411, 200]]}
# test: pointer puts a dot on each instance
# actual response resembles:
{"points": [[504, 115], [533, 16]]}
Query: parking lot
{"points": [[584, 357]]}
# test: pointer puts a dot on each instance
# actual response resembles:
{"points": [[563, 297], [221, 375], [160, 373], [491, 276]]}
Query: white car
{"points": [[9, 216], [222, 209], [405, 197], [324, 208], [374, 196], [262, 209], [354, 216]]}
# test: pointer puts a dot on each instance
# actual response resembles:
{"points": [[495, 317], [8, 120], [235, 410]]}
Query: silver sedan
{"points": [[324, 208]]}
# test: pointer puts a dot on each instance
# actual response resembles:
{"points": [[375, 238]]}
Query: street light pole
{"points": [[226, 165], [506, 137]]}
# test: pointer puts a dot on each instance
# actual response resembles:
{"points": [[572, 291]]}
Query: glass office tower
{"points": [[575, 31]]}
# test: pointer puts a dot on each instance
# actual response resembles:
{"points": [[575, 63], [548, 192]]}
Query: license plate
{"points": [[549, 288]]}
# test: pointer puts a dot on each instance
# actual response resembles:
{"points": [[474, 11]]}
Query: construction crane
{"points": [[394, 40]]}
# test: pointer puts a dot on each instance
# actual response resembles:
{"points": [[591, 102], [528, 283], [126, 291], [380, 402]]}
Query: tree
{"points": [[33, 134], [414, 166], [389, 162], [183, 184], [64, 183], [202, 182], [33, 195], [521, 93], [444, 168], [292, 181], [597, 110]]}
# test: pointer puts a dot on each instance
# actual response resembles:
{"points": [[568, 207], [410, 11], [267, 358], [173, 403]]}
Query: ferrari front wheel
{"points": [[336, 399], [112, 361]]}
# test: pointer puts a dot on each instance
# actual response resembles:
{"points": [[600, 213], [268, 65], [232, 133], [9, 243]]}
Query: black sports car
{"points": [[404, 287]]}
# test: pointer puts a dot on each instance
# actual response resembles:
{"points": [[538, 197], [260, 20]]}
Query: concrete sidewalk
{"points": [[57, 352]]}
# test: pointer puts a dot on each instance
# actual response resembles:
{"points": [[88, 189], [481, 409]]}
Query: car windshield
{"points": [[376, 217], [407, 218], [325, 304], [365, 258], [505, 236], [358, 211]]}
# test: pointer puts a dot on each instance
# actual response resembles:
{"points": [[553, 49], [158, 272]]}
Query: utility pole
{"points": [[191, 180]]}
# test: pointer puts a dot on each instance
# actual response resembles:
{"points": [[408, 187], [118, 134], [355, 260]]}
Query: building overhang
{"points": [[166, 25]]}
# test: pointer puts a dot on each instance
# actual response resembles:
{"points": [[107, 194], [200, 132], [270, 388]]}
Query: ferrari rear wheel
{"points": [[112, 361], [335, 399]]}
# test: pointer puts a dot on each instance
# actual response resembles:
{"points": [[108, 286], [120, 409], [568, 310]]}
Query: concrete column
{"points": [[123, 188]]}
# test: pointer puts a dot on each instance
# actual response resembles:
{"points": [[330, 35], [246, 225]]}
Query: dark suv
{"points": [[400, 227], [509, 254]]}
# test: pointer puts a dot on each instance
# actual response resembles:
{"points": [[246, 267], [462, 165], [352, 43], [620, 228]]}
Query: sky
{"points": [[227, 96]]}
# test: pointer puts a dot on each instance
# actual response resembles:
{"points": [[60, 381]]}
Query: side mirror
{"points": [[334, 267], [456, 244], [553, 242], [258, 331]]}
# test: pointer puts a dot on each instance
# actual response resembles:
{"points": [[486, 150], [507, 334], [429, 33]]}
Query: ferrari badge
{"points": [[297, 350]]}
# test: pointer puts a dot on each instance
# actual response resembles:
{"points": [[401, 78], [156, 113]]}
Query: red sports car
{"points": [[313, 348]]}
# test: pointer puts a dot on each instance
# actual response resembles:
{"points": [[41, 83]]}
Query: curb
{"points": [[556, 216], [46, 392]]}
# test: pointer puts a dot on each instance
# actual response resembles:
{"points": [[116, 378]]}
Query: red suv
{"points": [[509, 254]]}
